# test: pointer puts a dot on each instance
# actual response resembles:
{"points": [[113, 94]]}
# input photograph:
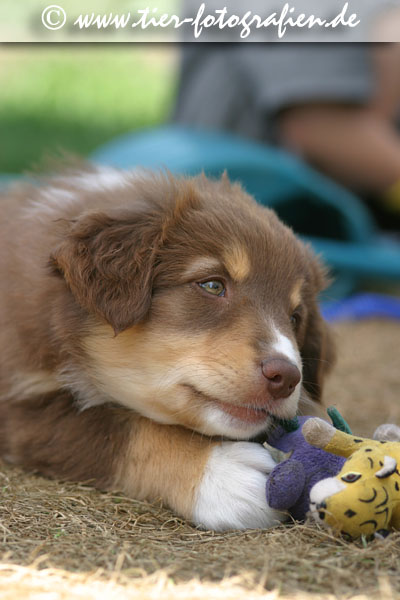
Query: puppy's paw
{"points": [[231, 494]]}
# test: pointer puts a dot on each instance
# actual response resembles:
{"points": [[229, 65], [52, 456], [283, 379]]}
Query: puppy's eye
{"points": [[214, 287], [295, 320]]}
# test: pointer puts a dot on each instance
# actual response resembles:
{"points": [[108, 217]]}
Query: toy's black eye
{"points": [[214, 287], [351, 477]]}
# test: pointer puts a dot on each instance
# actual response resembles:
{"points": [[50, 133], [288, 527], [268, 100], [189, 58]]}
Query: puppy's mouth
{"points": [[246, 413]]}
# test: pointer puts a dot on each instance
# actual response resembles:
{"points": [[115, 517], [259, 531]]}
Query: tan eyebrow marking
{"points": [[237, 262], [200, 264], [295, 295]]}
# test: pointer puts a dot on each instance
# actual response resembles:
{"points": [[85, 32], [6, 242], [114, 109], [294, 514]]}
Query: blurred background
{"points": [[75, 97]]}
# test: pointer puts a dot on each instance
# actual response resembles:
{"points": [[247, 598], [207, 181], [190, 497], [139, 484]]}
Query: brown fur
{"points": [[110, 349]]}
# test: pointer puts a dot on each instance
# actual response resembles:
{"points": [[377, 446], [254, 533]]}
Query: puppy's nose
{"points": [[281, 375]]}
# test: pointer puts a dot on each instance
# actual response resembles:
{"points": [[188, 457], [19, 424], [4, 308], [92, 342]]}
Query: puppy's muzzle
{"points": [[281, 377]]}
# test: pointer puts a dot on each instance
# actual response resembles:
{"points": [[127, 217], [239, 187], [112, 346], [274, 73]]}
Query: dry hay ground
{"points": [[62, 541]]}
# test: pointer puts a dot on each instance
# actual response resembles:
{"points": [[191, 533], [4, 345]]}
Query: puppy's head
{"points": [[199, 306]]}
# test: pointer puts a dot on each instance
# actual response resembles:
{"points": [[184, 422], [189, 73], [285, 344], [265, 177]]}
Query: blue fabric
{"points": [[363, 306]]}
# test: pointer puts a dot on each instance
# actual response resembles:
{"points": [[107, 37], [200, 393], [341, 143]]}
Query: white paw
{"points": [[231, 494]]}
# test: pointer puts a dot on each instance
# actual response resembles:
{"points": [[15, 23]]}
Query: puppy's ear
{"points": [[108, 265], [318, 354]]}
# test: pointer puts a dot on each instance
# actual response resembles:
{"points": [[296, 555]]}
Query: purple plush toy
{"points": [[290, 482]]}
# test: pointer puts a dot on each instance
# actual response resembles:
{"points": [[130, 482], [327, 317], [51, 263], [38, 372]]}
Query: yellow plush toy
{"points": [[364, 498]]}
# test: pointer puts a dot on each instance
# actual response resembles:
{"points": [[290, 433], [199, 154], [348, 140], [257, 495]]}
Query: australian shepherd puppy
{"points": [[150, 328]]}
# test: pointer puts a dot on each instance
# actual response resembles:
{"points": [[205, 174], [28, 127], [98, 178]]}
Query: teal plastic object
{"points": [[335, 221], [6, 179]]}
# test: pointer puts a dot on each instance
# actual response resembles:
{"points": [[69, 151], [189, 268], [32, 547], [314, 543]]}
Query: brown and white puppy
{"points": [[146, 325]]}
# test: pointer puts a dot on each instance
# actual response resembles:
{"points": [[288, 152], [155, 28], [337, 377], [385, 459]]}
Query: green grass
{"points": [[74, 98]]}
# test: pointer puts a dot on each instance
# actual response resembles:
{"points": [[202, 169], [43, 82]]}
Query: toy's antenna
{"points": [[337, 420], [289, 425]]}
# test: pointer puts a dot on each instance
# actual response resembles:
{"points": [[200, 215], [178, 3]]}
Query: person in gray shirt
{"points": [[335, 105]]}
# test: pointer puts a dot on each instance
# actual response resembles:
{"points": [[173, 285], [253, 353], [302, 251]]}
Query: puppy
{"points": [[149, 327]]}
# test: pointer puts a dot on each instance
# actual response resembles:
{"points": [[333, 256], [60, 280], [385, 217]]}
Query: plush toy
{"points": [[289, 483], [364, 497]]}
